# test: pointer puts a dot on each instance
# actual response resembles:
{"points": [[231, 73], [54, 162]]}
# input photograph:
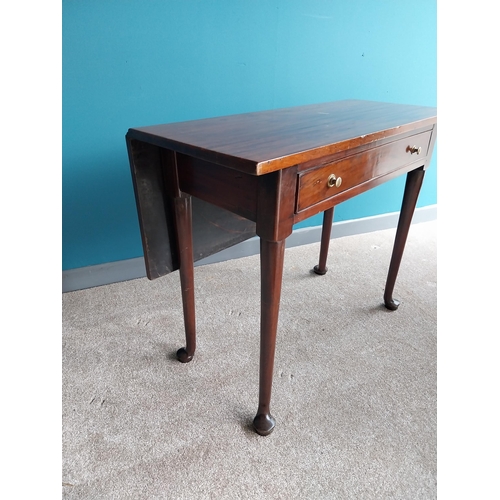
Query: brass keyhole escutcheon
{"points": [[415, 149], [334, 181]]}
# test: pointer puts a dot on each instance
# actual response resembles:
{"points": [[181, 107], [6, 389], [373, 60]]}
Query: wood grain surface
{"points": [[265, 141]]}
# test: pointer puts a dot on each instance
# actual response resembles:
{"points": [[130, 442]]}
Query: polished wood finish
{"points": [[185, 240], [275, 201], [207, 181], [154, 175], [326, 231], [265, 141], [271, 260], [357, 169], [205, 185], [413, 184]]}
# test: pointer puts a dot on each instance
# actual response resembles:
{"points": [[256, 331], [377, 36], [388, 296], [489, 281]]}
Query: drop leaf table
{"points": [[204, 185]]}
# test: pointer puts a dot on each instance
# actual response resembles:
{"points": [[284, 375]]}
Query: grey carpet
{"points": [[354, 391]]}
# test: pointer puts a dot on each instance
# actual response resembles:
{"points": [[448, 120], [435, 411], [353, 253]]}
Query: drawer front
{"points": [[324, 182]]}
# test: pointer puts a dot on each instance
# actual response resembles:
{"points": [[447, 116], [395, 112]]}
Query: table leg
{"points": [[414, 181], [183, 220], [325, 241], [271, 261]]}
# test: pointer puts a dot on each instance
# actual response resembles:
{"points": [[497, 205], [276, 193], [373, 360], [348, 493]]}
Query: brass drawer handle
{"points": [[334, 181], [414, 149]]}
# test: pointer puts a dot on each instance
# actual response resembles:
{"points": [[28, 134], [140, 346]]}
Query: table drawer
{"points": [[326, 181]]}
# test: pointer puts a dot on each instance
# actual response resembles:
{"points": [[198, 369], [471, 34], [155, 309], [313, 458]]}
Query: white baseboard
{"points": [[124, 270]]}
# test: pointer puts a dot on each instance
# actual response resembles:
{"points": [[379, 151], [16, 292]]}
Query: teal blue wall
{"points": [[130, 63]]}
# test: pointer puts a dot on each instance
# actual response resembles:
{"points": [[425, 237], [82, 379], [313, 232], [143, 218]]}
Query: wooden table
{"points": [[204, 185]]}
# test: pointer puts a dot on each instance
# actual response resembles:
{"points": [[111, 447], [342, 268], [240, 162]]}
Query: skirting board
{"points": [[124, 270]]}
